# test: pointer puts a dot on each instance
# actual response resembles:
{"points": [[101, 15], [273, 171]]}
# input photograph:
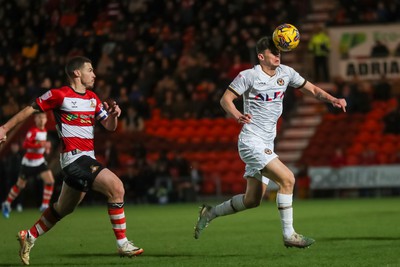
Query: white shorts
{"points": [[256, 154]]}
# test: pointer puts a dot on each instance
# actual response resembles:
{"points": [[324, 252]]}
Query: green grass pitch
{"points": [[351, 232]]}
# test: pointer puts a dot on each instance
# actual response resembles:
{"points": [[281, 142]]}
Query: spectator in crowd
{"points": [[379, 49], [368, 156], [303, 182], [397, 50], [339, 158], [111, 155], [134, 184], [392, 120], [320, 45], [180, 107], [10, 108], [132, 121], [196, 178], [382, 89]]}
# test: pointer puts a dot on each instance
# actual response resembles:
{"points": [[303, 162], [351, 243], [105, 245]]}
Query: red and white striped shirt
{"points": [[33, 144], [75, 116]]}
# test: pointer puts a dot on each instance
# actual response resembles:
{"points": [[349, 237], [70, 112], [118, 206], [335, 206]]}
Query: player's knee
{"points": [[117, 190], [288, 181], [252, 203], [21, 184]]}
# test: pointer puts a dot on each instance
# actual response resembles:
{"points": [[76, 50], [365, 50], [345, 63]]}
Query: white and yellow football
{"points": [[286, 37]]}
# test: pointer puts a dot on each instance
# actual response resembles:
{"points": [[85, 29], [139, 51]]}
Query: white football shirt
{"points": [[263, 98]]}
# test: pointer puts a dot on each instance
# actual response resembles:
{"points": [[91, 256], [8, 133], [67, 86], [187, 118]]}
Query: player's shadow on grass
{"points": [[372, 238], [88, 255], [148, 254]]}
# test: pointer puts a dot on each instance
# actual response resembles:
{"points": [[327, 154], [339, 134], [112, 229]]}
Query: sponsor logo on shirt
{"points": [[87, 121], [266, 97], [71, 117]]}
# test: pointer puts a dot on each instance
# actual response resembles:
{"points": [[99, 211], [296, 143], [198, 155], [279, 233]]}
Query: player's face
{"points": [[272, 58], [87, 75], [40, 120]]}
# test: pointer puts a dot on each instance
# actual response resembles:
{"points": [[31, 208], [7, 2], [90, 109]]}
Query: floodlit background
{"points": [[167, 64]]}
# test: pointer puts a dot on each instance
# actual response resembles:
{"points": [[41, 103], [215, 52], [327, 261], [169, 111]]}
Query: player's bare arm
{"points": [[230, 108], [15, 120], [318, 93], [114, 112]]}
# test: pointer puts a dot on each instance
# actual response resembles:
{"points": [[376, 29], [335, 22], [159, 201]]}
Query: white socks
{"points": [[284, 203], [230, 206], [235, 204], [122, 241]]}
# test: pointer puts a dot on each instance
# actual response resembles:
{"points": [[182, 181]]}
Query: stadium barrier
{"points": [[354, 177]]}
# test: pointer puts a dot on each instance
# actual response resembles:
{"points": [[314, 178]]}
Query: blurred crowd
{"points": [[360, 94], [146, 53], [350, 12], [176, 56]]}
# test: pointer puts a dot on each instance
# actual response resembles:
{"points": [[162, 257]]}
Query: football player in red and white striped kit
{"points": [[33, 164], [76, 108]]}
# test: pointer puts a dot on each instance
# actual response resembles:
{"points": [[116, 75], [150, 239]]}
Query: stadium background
{"points": [[168, 62]]}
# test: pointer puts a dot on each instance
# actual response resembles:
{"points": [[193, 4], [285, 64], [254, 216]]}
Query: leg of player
{"points": [[252, 198], [284, 178], [111, 186], [12, 195], [69, 198], [48, 187]]}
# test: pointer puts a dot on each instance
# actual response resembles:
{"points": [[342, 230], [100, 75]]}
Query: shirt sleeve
{"points": [[296, 80], [50, 100], [101, 113], [241, 83]]}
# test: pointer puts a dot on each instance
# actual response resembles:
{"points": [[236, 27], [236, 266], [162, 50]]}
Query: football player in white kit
{"points": [[263, 88]]}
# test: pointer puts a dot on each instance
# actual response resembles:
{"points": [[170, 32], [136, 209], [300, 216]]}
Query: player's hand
{"points": [[246, 118], [3, 136], [112, 109], [48, 147], [46, 144], [340, 103]]}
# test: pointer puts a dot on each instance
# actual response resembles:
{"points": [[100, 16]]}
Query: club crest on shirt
{"points": [[93, 168], [268, 151], [280, 82], [92, 103]]}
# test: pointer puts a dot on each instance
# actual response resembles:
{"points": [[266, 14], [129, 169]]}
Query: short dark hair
{"points": [[266, 43], [75, 63]]}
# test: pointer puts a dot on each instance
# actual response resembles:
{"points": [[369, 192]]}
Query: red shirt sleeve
{"points": [[50, 100], [101, 113]]}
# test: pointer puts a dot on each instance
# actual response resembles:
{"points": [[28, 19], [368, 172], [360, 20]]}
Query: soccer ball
{"points": [[286, 37]]}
